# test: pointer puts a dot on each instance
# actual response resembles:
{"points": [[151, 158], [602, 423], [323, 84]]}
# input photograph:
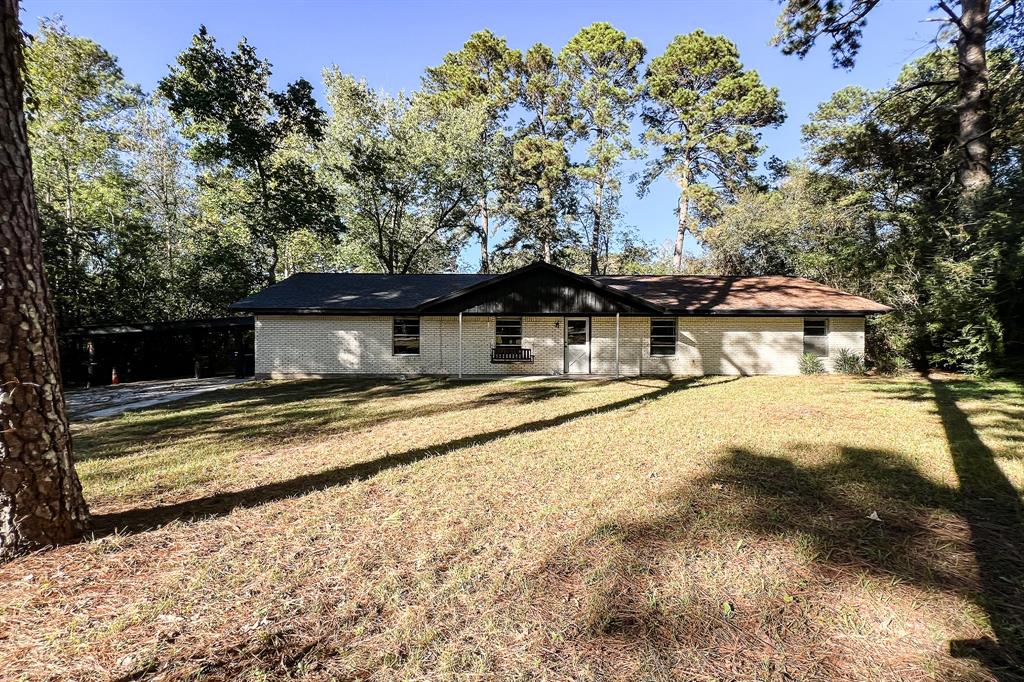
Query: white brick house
{"points": [[545, 320]]}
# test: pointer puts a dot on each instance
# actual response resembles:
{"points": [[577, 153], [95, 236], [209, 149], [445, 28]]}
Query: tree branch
{"points": [[999, 10], [911, 88], [952, 15]]}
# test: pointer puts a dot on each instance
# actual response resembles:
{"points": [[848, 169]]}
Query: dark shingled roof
{"points": [[357, 292], [340, 293]]}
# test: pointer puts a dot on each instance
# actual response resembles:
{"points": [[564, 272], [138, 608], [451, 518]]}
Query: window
{"points": [[508, 331], [576, 332], [816, 337], [663, 336], [405, 336]]}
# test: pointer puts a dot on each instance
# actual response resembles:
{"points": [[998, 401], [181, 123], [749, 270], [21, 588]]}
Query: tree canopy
{"points": [[236, 122], [704, 111], [601, 68], [176, 203]]}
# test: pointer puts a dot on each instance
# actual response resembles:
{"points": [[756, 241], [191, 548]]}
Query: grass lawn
{"points": [[768, 528]]}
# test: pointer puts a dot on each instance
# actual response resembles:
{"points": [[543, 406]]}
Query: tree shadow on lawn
{"points": [[992, 507], [926, 528], [303, 409], [139, 520]]}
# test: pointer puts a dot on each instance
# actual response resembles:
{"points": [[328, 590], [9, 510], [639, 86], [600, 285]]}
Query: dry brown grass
{"points": [[693, 529]]}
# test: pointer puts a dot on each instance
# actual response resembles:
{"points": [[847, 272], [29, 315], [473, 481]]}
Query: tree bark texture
{"points": [[684, 214], [485, 235], [595, 238], [973, 107], [41, 501]]}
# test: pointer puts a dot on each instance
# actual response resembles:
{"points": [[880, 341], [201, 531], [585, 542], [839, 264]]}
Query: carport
{"points": [[198, 348]]}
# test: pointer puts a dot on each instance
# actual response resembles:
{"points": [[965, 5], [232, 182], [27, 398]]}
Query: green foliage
{"points": [[537, 189], [600, 69], [482, 72], [96, 239], [803, 21], [175, 205], [874, 215], [811, 364], [848, 362], [892, 365], [704, 111], [482, 76], [537, 192], [404, 172], [228, 111]]}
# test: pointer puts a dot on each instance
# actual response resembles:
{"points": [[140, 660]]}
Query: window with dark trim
{"points": [[816, 337], [663, 336], [508, 332], [405, 336]]}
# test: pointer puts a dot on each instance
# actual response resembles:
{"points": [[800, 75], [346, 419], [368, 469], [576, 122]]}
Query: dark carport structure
{"points": [[157, 350]]}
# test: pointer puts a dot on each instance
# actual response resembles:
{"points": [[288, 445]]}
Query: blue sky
{"points": [[391, 43]]}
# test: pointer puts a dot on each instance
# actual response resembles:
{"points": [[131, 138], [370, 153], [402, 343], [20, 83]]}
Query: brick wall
{"points": [[844, 332], [311, 345]]}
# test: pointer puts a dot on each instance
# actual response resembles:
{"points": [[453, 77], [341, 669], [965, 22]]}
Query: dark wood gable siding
{"points": [[537, 293]]}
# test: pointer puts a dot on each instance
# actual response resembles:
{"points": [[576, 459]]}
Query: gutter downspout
{"points": [[617, 373], [460, 345]]}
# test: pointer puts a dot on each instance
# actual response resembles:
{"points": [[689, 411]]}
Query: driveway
{"points": [[108, 401]]}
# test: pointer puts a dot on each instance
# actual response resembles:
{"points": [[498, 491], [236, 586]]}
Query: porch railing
{"points": [[500, 354]]}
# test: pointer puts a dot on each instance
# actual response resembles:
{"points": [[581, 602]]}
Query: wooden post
{"points": [[237, 336], [90, 363], [460, 345], [194, 342]]}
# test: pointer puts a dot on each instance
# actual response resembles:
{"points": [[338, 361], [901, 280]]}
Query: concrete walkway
{"points": [[108, 401]]}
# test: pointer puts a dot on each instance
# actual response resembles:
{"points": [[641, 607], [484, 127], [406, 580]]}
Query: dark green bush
{"points": [[892, 365]]}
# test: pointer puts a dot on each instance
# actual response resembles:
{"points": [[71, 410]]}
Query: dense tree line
{"points": [[175, 203], [912, 194]]}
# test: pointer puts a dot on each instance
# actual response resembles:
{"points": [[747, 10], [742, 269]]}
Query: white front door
{"points": [[577, 345]]}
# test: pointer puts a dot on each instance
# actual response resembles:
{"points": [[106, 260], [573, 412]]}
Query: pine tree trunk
{"points": [[595, 238], [975, 98], [41, 501], [684, 210], [485, 233], [275, 258]]}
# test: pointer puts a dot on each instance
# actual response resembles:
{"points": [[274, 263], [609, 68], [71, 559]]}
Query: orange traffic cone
{"points": [[114, 381]]}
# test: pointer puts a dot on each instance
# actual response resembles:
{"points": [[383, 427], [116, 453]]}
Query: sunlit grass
{"points": [[695, 528]]}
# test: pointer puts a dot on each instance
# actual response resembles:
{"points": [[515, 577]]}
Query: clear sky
{"points": [[391, 43]]}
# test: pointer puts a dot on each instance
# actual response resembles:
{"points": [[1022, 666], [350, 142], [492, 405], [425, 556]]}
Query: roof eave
{"points": [[761, 312], [330, 311], [779, 312]]}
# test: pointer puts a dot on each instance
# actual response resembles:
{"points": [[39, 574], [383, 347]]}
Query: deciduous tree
{"points": [[165, 180], [404, 174], [80, 112], [234, 120]]}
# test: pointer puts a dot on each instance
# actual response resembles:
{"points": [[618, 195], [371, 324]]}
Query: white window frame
{"points": [[406, 336], [498, 321], [825, 326], [652, 336]]}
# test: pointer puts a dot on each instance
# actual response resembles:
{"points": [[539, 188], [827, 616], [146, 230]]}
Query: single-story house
{"points": [[542, 319]]}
